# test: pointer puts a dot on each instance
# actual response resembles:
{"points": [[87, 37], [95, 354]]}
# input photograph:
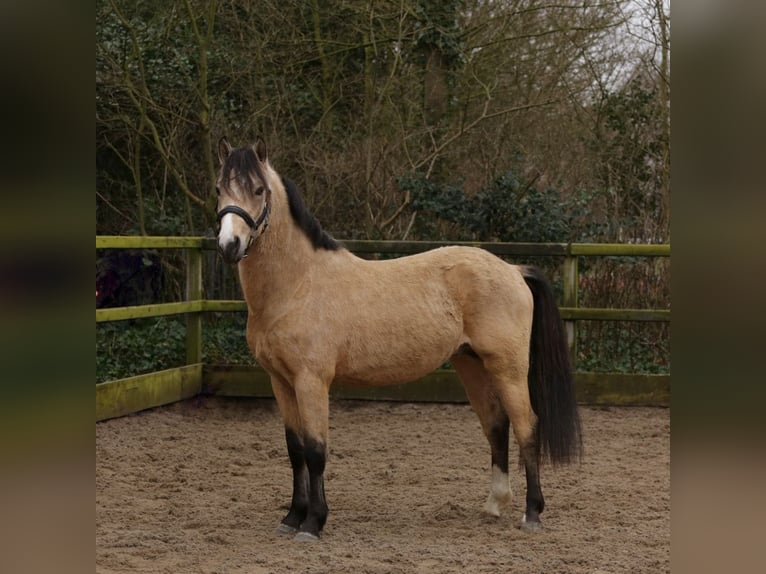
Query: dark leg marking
{"points": [[315, 454], [535, 500], [498, 440], [300, 501]]}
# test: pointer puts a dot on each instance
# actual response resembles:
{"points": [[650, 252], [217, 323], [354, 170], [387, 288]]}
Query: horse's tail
{"points": [[551, 385]]}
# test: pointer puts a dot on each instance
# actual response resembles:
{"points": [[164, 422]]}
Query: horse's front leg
{"points": [[288, 407], [312, 394], [300, 500]]}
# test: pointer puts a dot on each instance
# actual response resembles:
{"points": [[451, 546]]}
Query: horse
{"points": [[318, 314]]}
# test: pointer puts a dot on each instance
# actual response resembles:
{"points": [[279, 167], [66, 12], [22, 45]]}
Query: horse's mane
{"points": [[319, 238]]}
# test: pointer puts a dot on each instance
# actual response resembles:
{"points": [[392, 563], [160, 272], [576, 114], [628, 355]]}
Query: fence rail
{"points": [[115, 398], [406, 247]]}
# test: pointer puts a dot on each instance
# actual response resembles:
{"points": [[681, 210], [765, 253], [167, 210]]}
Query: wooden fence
{"points": [[124, 396]]}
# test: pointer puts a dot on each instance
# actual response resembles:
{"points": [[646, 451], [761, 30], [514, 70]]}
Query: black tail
{"points": [[551, 385]]}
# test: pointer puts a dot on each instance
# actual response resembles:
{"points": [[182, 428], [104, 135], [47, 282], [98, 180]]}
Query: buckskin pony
{"points": [[318, 314]]}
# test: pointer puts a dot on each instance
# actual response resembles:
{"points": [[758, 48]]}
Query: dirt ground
{"points": [[200, 486]]}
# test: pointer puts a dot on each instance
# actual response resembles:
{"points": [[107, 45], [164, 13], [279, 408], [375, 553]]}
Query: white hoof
{"points": [[495, 504], [491, 507]]}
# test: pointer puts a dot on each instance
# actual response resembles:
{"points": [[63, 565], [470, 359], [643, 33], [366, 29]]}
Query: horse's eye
{"points": [[259, 191], [217, 190]]}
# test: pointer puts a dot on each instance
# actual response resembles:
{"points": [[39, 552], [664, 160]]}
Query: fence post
{"points": [[571, 280], [193, 293]]}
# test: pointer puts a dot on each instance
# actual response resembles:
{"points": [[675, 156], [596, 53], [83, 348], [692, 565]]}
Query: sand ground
{"points": [[200, 486]]}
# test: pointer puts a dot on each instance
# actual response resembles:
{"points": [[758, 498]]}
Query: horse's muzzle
{"points": [[231, 251]]}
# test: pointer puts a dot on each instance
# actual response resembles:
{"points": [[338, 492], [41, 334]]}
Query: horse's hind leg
{"points": [[494, 423], [513, 391]]}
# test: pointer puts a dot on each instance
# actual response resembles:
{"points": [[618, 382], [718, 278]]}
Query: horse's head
{"points": [[244, 198]]}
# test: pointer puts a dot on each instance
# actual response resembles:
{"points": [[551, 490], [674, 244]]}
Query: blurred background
{"points": [[400, 119], [417, 119]]}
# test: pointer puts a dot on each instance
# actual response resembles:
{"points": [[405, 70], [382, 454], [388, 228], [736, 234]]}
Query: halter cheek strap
{"points": [[262, 220]]}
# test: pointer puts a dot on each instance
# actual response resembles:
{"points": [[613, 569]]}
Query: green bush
{"points": [[223, 339], [509, 209], [623, 347], [128, 348]]}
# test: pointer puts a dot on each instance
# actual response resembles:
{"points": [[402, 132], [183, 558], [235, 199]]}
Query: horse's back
{"points": [[417, 311], [477, 278], [455, 279]]}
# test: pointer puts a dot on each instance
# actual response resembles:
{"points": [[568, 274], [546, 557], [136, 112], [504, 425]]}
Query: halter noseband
{"points": [[263, 219]]}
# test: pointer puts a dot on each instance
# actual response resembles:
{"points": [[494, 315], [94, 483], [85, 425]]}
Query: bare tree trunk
{"points": [[326, 89], [664, 85], [436, 96], [137, 177], [206, 140]]}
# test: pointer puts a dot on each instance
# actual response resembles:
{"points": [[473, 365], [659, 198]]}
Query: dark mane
{"points": [[319, 238], [240, 163]]}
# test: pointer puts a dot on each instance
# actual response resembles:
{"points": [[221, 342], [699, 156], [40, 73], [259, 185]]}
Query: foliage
{"points": [[508, 209], [352, 96], [438, 26], [223, 340], [620, 347], [631, 148], [125, 349], [420, 119]]}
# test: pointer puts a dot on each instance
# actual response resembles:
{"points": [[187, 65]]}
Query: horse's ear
{"points": [[224, 149], [260, 150]]}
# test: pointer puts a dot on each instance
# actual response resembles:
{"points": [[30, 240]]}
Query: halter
{"points": [[263, 219]]}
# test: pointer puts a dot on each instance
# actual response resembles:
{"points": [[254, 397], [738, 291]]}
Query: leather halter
{"points": [[263, 219]]}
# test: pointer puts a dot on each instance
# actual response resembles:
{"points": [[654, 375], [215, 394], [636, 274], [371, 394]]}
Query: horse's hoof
{"points": [[306, 537], [286, 530], [495, 507], [531, 525]]}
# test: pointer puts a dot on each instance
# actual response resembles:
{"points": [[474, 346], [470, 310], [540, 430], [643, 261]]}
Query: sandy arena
{"points": [[200, 487]]}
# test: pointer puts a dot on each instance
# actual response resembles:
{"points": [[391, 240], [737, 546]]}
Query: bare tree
{"points": [[156, 113], [354, 95]]}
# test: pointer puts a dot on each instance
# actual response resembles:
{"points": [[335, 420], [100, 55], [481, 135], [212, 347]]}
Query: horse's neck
{"points": [[277, 265]]}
